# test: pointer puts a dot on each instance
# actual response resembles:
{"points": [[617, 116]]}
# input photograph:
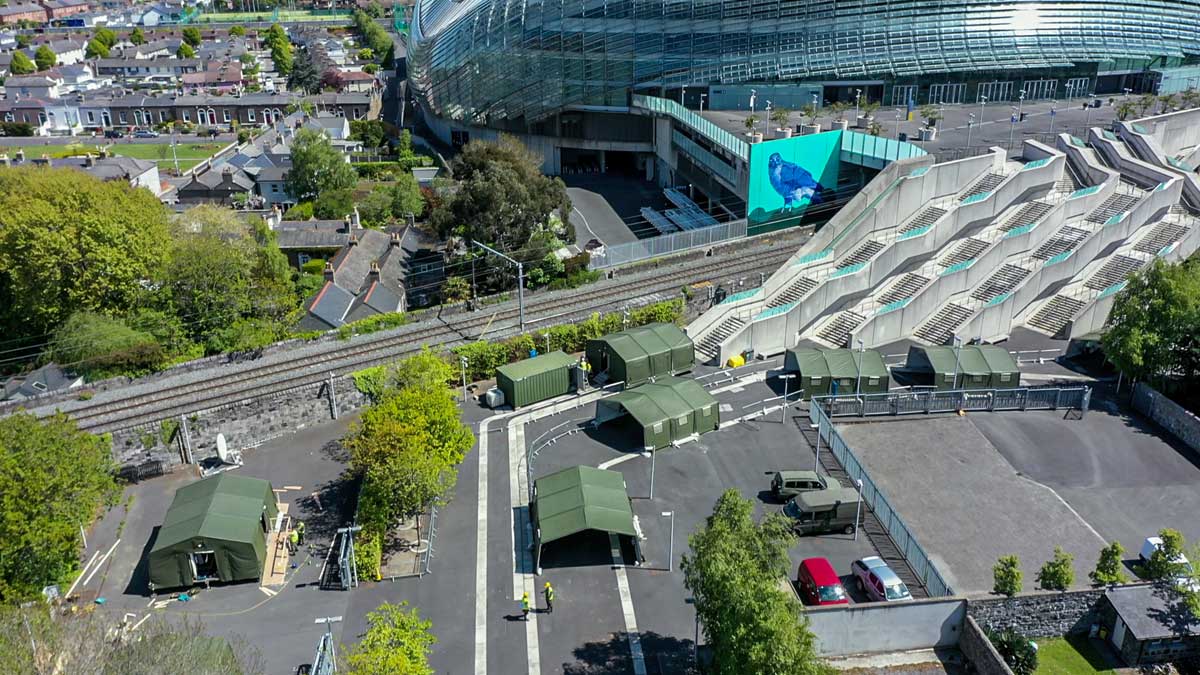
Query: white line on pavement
{"points": [[140, 622], [82, 572], [481, 554], [523, 581], [1069, 507], [586, 226], [631, 629], [617, 460], [100, 563], [266, 591]]}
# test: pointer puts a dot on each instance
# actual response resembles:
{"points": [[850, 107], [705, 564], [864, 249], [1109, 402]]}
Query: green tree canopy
{"points": [[371, 133], [72, 242], [389, 58], [733, 572], [237, 31], [334, 204], [45, 58], [502, 197], [55, 478], [185, 51], [397, 642], [95, 50], [191, 35], [1153, 326], [23, 40], [406, 196], [304, 77], [107, 37], [317, 167], [99, 346], [137, 37], [275, 35], [281, 56], [22, 65]]}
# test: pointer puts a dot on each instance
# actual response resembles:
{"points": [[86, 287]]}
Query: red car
{"points": [[819, 584]]}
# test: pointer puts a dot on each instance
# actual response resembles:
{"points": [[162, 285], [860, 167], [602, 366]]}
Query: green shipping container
{"points": [[537, 379]]}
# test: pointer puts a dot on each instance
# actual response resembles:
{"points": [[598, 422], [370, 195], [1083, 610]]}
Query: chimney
{"points": [[103, 153], [90, 160], [353, 240], [329, 271], [346, 225], [373, 275], [395, 242], [357, 220]]}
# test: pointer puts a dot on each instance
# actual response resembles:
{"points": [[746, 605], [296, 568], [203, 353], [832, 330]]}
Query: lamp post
{"points": [[899, 114], [1053, 112], [753, 93], [702, 97], [671, 550], [817, 454], [982, 102], [970, 124], [957, 356], [857, 507], [682, 95], [857, 103], [520, 279], [785, 377], [462, 362], [1012, 126], [858, 370], [1089, 112]]}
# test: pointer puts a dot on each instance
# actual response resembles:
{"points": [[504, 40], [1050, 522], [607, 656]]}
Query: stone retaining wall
{"points": [[979, 652], [1168, 414], [1039, 614]]}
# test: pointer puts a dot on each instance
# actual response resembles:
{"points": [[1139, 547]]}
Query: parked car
{"points": [[818, 584], [145, 133], [1185, 571], [875, 579], [819, 511], [788, 484], [114, 133]]}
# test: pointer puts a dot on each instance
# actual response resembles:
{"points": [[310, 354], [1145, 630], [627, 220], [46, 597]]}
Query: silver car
{"points": [[880, 584]]}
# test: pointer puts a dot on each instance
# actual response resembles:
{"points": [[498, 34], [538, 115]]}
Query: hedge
{"points": [[368, 554], [375, 170], [372, 324]]}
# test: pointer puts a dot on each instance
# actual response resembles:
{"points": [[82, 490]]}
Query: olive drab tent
{"points": [[972, 366], [837, 371], [635, 355], [537, 379], [580, 499], [667, 410], [215, 530]]}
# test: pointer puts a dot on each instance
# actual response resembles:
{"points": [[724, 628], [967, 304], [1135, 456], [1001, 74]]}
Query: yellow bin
{"points": [[736, 361]]}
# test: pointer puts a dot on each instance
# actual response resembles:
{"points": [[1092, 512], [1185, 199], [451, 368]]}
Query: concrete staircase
{"points": [[1066, 239], [1163, 234], [838, 327], [1114, 271], [1002, 281], [1117, 203], [1031, 212], [710, 346], [941, 327], [923, 219], [986, 184], [906, 287], [796, 290], [967, 249], [862, 254], [1056, 314]]}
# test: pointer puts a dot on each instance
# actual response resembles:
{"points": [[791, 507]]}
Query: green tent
{"points": [[977, 367], [537, 379], [578, 499], [638, 354], [667, 410], [215, 530], [837, 371]]}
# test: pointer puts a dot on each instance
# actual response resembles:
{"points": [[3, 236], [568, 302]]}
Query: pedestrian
{"points": [[293, 542], [300, 532], [525, 606], [548, 591]]}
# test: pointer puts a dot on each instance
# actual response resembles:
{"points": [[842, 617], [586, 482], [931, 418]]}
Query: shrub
{"points": [[1108, 568], [167, 429], [1018, 652], [1007, 575], [371, 381], [1057, 574], [301, 211], [314, 266], [381, 170], [1162, 563], [368, 554], [372, 324]]}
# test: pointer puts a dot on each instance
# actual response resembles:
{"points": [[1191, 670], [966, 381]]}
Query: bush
{"points": [[371, 381], [372, 324], [368, 554], [1018, 652], [385, 170], [1109, 567], [243, 136], [314, 266], [1057, 574], [1007, 575], [301, 211], [1162, 563]]}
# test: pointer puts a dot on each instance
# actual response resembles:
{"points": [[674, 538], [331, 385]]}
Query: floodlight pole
{"points": [[520, 279], [817, 454], [462, 362], [858, 507], [332, 656], [785, 377], [653, 456]]}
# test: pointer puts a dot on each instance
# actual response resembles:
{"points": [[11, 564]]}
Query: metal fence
{"points": [[925, 402], [921, 565], [642, 249]]}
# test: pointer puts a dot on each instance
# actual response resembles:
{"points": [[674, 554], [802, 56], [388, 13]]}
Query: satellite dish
{"points": [[222, 449]]}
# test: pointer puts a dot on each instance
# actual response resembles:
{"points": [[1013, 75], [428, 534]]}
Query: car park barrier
{"points": [[965, 400]]}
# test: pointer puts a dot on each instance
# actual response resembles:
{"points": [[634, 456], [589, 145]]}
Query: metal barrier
{"points": [[925, 402], [433, 512], [921, 565], [642, 249]]}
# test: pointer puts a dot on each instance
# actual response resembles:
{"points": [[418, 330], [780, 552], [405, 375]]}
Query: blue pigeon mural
{"points": [[787, 175], [792, 182]]}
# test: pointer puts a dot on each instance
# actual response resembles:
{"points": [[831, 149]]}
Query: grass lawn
{"points": [[284, 15], [1070, 656]]}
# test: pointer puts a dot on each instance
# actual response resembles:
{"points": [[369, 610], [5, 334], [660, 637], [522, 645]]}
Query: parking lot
{"points": [[608, 207]]}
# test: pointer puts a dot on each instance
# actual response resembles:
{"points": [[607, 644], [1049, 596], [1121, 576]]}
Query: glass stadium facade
{"points": [[516, 62]]}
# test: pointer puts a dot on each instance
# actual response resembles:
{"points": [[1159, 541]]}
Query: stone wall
{"points": [[1169, 415], [1039, 614], [245, 424], [979, 652]]}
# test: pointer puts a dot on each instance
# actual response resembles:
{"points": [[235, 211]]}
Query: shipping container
{"points": [[537, 379]]}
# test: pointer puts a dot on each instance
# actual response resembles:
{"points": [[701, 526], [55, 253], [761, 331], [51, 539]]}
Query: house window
{"points": [[225, 114], [122, 117], [41, 118], [358, 115], [137, 117], [274, 187], [275, 114], [341, 112], [187, 117], [250, 114], [162, 116], [91, 117]]}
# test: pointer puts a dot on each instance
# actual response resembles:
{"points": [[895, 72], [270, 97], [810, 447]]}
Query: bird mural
{"points": [[792, 182]]}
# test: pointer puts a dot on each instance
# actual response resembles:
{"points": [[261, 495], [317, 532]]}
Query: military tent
{"points": [[974, 366], [667, 410], [837, 371], [635, 355], [579, 499], [214, 530]]}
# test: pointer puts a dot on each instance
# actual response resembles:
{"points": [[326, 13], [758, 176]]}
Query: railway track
{"points": [[254, 381]]}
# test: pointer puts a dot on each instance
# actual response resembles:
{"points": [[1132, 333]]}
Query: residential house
{"points": [[136, 172], [160, 15], [355, 81], [48, 379], [16, 13], [59, 9], [150, 50], [8, 40], [271, 182], [129, 67], [363, 279], [337, 128], [79, 78], [219, 77], [43, 85], [217, 184], [305, 240], [1148, 624], [67, 52]]}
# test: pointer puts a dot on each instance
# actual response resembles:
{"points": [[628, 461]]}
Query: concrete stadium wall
{"points": [[1146, 147], [1176, 131], [922, 624], [1086, 163], [1168, 414], [1143, 173]]}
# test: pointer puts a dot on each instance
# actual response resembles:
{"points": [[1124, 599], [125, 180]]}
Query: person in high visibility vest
{"points": [[300, 532], [548, 591], [293, 542], [525, 606]]}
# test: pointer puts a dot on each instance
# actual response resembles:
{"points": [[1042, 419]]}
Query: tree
{"points": [[99, 346], [781, 116], [317, 167], [106, 36], [1006, 576], [304, 76], [425, 369], [1057, 574], [334, 204], [137, 37], [374, 9], [370, 69], [1164, 562], [1109, 567], [45, 58], [366, 54], [22, 65], [376, 208], [456, 289], [750, 123], [408, 448], [1152, 326], [23, 41], [389, 58], [185, 51], [55, 478], [71, 242], [1017, 652], [95, 50], [502, 197], [191, 35], [275, 35], [397, 642], [237, 31], [281, 56], [371, 133], [407, 197], [1125, 109], [733, 573]]}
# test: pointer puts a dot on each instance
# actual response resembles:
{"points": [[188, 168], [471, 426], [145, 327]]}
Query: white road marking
{"points": [[631, 629], [82, 572], [140, 622], [1069, 508], [617, 460], [268, 592], [586, 226], [523, 581], [741, 383], [481, 554], [100, 563]]}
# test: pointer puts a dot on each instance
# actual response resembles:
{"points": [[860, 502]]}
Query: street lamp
{"points": [[520, 279], [1012, 126], [970, 124], [857, 507], [785, 377], [753, 93], [671, 554], [702, 97], [462, 362], [857, 102], [982, 102], [957, 356], [899, 114], [858, 370], [682, 94], [1089, 111], [1053, 112]]}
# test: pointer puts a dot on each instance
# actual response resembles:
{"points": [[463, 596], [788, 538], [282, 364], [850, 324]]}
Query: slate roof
{"points": [[329, 306], [1153, 612], [352, 264]]}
